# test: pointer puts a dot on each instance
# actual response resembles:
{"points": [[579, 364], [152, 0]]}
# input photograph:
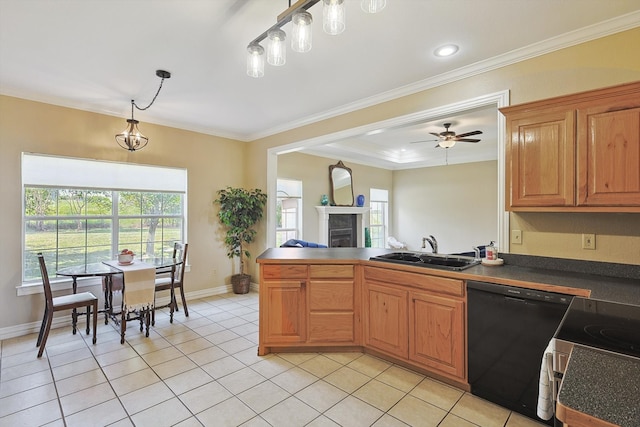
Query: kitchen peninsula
{"points": [[339, 299]]}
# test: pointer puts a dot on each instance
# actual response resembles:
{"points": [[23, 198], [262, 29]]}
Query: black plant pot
{"points": [[241, 283]]}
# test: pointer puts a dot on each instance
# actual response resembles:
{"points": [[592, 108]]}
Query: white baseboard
{"points": [[65, 320]]}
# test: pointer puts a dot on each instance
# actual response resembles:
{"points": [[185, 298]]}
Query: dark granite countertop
{"points": [[603, 385], [605, 281]]}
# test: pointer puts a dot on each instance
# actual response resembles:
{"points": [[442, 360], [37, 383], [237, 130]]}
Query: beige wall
{"points": [[211, 162], [216, 162], [313, 171], [455, 203], [587, 66]]}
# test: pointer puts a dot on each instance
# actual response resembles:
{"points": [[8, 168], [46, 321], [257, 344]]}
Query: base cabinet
{"points": [[307, 305], [385, 314], [283, 304], [332, 304], [416, 317], [436, 338]]}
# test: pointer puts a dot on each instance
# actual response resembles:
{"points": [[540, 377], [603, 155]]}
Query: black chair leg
{"points": [[184, 302], [88, 318], [46, 332], [95, 322], [44, 323]]}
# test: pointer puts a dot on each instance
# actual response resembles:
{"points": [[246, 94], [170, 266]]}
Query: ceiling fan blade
{"points": [[467, 140], [462, 135], [426, 140], [436, 134]]}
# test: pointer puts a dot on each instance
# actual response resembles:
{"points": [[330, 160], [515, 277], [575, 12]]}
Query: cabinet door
{"points": [[284, 311], [540, 159], [385, 319], [436, 333], [609, 156]]}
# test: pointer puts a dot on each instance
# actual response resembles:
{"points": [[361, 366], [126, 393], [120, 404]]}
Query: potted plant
{"points": [[240, 211]]}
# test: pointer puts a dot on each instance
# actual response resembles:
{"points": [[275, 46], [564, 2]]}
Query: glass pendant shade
{"points": [[276, 47], [301, 34], [333, 16], [131, 139], [447, 143], [255, 60], [373, 6]]}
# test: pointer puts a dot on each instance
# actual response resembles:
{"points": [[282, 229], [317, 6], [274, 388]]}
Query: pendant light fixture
{"points": [[131, 138], [276, 47], [333, 16], [301, 40], [333, 22], [255, 60], [373, 6]]}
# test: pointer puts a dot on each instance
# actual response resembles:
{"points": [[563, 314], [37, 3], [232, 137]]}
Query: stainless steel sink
{"points": [[447, 262]]}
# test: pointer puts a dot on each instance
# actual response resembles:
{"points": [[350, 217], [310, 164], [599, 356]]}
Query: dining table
{"points": [[108, 270]]}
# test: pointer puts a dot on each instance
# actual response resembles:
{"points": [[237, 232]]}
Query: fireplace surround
{"points": [[343, 230]]}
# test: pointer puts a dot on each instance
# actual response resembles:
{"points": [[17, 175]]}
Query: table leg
{"points": [[74, 312]]}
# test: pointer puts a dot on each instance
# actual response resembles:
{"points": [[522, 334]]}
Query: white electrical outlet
{"points": [[588, 241], [516, 237]]}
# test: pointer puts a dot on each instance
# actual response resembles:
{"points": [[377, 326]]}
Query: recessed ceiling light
{"points": [[446, 50]]}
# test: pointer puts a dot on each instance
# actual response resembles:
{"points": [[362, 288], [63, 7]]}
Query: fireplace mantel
{"points": [[323, 221]]}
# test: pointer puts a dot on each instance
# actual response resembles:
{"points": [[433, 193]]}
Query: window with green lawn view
{"points": [[80, 225]]}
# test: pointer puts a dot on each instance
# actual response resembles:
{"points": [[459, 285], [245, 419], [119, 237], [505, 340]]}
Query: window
{"points": [[288, 210], [79, 211], [378, 217]]}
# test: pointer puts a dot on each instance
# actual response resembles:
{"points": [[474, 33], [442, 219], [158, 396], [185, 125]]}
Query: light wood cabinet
{"points": [[541, 157], [332, 304], [282, 305], [609, 151], [436, 337], [416, 317], [307, 305], [385, 318], [578, 152]]}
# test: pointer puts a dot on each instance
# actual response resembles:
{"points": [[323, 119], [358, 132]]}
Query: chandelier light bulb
{"points": [[333, 16], [373, 6], [301, 35], [255, 60], [276, 47]]}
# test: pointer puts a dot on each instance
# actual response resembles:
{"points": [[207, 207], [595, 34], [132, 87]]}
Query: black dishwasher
{"points": [[508, 331]]}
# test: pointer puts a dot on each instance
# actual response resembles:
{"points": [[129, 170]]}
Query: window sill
{"points": [[58, 284]]}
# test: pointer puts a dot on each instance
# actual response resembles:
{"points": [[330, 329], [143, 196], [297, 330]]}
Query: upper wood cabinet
{"points": [[578, 152]]}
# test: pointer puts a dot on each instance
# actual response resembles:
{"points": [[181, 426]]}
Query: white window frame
{"points": [[289, 192], [85, 174], [376, 199]]}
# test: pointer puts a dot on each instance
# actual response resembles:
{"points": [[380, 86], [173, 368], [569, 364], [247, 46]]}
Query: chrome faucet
{"points": [[477, 253], [432, 242]]}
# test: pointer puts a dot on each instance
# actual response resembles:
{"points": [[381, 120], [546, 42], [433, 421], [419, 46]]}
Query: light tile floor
{"points": [[203, 371]]}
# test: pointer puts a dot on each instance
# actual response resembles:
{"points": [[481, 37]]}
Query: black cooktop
{"points": [[602, 324]]}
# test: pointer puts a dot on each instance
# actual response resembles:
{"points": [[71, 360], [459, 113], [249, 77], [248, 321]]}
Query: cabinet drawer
{"points": [[331, 295], [284, 271], [331, 271], [331, 327], [441, 285]]}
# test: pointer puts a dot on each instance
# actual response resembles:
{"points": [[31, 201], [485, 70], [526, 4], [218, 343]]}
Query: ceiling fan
{"points": [[448, 139]]}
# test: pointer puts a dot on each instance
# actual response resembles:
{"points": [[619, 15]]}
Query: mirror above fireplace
{"points": [[341, 184]]}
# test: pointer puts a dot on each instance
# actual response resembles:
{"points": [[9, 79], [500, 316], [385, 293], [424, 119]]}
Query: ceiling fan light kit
{"points": [[448, 138], [131, 138], [333, 23]]}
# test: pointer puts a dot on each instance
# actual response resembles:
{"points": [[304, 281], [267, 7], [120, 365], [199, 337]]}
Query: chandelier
{"points": [[333, 23], [131, 138]]}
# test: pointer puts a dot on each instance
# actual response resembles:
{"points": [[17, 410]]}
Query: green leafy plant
{"points": [[240, 211]]}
